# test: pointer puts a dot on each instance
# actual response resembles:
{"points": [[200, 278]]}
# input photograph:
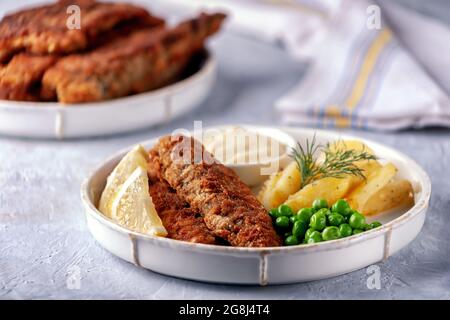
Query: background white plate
{"points": [[264, 265], [53, 120]]}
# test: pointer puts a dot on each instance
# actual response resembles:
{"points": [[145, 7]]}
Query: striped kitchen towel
{"points": [[373, 64], [363, 77]]}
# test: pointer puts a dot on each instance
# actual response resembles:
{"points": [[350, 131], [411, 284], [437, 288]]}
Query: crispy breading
{"points": [[181, 222], [142, 61], [229, 208], [43, 29], [20, 79], [119, 50]]}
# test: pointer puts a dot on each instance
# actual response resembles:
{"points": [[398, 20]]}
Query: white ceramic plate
{"points": [[53, 120], [264, 266]]}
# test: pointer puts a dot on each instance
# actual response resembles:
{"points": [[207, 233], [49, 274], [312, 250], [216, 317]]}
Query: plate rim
{"points": [[209, 64], [420, 205]]}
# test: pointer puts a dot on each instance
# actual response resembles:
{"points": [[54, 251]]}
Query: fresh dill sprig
{"points": [[338, 162]]}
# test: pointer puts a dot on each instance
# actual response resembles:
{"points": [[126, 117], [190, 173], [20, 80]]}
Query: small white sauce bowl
{"points": [[255, 173]]}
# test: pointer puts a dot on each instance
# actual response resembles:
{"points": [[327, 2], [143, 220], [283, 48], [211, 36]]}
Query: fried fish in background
{"points": [[139, 62], [228, 206], [181, 222], [32, 40], [43, 30], [20, 78], [120, 49]]}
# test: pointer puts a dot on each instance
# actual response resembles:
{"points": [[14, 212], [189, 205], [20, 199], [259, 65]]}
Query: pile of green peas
{"points": [[319, 223]]}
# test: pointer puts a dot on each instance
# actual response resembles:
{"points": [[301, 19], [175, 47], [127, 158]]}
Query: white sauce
{"points": [[236, 145]]}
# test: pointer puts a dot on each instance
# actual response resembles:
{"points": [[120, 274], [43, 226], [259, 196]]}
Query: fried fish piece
{"points": [[43, 29], [181, 222], [20, 78], [139, 62], [229, 208]]}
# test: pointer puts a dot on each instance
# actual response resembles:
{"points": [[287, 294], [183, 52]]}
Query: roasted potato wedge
{"points": [[368, 166], [377, 193], [394, 194], [350, 145], [375, 181], [280, 186], [331, 189]]}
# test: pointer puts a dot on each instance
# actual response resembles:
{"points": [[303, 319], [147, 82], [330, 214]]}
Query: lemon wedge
{"points": [[136, 158], [133, 207]]}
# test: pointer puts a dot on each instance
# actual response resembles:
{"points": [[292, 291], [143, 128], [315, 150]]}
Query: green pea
{"points": [[318, 221], [299, 228], [366, 227], [319, 204], [354, 211], [325, 211], [315, 237], [356, 231], [291, 241], [293, 219], [305, 213], [335, 219], [330, 233], [357, 220], [340, 206], [274, 213], [287, 234], [308, 233], [282, 222], [345, 230], [375, 224], [347, 213], [285, 211]]}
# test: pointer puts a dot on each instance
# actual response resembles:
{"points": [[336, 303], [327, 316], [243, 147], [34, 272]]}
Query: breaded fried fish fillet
{"points": [[229, 208], [139, 62], [181, 222], [43, 30], [20, 79]]}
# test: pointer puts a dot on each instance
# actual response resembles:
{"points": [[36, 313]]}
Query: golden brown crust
{"points": [[181, 222], [145, 60], [29, 36], [43, 30], [120, 50], [20, 79], [229, 208]]}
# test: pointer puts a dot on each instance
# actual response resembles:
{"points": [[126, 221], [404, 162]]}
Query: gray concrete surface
{"points": [[43, 234]]}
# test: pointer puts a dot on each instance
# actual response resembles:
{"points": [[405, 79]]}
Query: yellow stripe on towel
{"points": [[343, 122], [334, 112], [367, 68], [340, 121]]}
